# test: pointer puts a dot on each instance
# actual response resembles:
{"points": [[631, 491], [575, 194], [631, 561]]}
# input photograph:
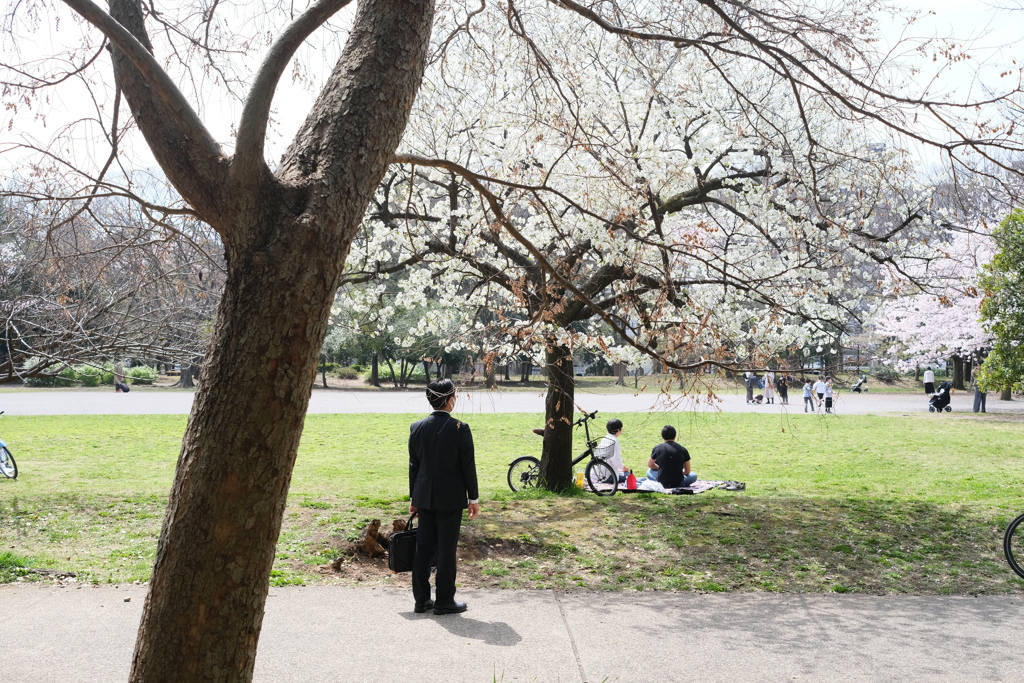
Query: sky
{"points": [[992, 32]]}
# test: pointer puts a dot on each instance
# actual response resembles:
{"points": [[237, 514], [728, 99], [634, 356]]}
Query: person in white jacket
{"points": [[609, 449]]}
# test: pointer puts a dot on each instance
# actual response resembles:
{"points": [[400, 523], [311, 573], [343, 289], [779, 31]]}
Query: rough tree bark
{"points": [[286, 235], [559, 407]]}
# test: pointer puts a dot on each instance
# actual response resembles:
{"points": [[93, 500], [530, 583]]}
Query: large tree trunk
{"points": [[958, 372], [559, 404], [375, 370], [1006, 394], [620, 374], [286, 235], [204, 608], [185, 380]]}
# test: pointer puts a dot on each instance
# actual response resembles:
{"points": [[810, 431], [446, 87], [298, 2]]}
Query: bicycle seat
{"points": [[539, 432]]}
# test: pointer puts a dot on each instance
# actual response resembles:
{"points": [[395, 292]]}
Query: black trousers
{"points": [[438, 533]]}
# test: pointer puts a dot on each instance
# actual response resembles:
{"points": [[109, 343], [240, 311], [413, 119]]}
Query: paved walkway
{"points": [[366, 635], [153, 401]]}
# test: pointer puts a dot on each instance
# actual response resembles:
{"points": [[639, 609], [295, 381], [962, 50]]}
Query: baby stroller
{"points": [[940, 399], [856, 388]]}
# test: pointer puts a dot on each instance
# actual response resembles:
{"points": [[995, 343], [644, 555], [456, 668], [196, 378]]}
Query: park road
{"points": [[371, 635], [161, 401]]}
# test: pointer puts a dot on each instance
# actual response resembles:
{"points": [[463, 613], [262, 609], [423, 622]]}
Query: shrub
{"points": [[887, 374], [141, 374], [48, 382], [347, 373], [88, 375]]}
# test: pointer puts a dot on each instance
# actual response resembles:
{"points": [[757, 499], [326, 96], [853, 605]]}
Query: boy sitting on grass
{"points": [[670, 463]]}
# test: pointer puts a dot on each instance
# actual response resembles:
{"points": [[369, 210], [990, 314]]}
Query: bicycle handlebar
{"points": [[586, 417]]}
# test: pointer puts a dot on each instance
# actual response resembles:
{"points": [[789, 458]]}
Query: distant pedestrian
{"points": [[782, 384], [929, 381], [979, 399], [808, 396], [828, 395], [119, 383], [751, 382], [769, 387], [819, 389]]}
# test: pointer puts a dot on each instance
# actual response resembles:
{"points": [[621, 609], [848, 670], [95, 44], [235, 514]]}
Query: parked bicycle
{"points": [[1013, 545], [524, 472], [8, 467]]}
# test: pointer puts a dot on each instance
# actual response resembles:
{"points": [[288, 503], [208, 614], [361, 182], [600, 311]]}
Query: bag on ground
{"points": [[402, 548]]}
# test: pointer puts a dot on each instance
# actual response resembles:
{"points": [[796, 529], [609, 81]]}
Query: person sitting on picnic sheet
{"points": [[670, 463], [610, 451]]}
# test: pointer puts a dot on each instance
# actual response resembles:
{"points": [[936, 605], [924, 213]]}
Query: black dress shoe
{"points": [[453, 608], [422, 607]]}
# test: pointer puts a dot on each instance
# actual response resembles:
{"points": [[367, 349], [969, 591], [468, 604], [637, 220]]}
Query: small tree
{"points": [[1002, 309]]}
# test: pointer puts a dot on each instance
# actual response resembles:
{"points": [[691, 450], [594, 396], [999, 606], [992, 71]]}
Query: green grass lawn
{"points": [[847, 503]]}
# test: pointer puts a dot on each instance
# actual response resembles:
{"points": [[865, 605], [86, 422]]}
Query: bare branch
{"points": [[252, 127], [151, 71]]}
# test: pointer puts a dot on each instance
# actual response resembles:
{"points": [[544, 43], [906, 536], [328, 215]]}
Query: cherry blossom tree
{"points": [[657, 209], [928, 329], [933, 312]]}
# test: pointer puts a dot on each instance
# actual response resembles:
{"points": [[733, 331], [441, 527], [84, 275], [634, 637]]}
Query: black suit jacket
{"points": [[442, 466]]}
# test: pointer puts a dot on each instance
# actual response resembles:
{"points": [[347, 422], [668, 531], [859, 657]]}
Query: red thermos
{"points": [[631, 481]]}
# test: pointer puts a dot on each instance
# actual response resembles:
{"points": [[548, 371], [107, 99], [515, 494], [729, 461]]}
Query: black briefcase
{"points": [[402, 548]]}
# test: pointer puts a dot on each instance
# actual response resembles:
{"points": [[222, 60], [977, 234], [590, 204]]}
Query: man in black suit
{"points": [[442, 483]]}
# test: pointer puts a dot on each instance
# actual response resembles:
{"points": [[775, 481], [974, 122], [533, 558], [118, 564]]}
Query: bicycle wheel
{"points": [[603, 480], [1013, 545], [524, 473], [7, 464]]}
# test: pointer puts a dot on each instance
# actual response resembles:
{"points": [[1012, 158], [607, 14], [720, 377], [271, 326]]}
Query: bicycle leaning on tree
{"points": [[8, 467], [602, 479], [1013, 545]]}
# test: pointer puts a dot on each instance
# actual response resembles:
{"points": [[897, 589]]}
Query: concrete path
{"points": [[365, 635], [153, 401]]}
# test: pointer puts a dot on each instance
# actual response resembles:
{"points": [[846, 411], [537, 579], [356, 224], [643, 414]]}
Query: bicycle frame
{"points": [[591, 444]]}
